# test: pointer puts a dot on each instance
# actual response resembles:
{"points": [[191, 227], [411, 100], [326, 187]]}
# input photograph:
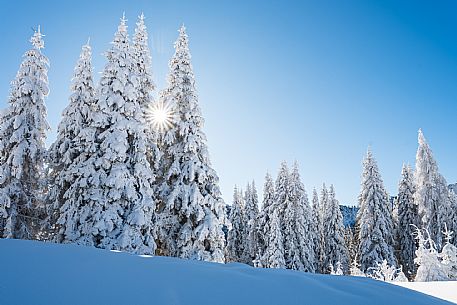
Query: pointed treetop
{"points": [[406, 169], [296, 166], [421, 138], [123, 25], [369, 152], [235, 191], [140, 26], [331, 190], [88, 41], [37, 39], [182, 40], [182, 30]]}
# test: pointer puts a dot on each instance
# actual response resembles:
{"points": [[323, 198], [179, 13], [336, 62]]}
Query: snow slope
{"points": [[443, 290], [46, 274]]}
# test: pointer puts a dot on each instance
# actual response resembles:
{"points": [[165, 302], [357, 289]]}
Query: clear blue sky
{"points": [[316, 81]]}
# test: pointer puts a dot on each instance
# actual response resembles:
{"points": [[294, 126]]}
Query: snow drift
{"points": [[46, 274]]}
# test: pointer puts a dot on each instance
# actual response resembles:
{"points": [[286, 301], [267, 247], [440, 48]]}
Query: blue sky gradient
{"points": [[313, 81]]}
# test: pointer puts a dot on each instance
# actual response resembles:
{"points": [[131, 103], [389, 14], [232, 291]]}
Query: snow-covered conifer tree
{"points": [[122, 215], [23, 129], [297, 234], [70, 158], [374, 224], [251, 212], [236, 237], [431, 194], [274, 254], [252, 202], [318, 237], [263, 221], [145, 85], [407, 221], [335, 245], [282, 192], [190, 194], [142, 62], [323, 201]]}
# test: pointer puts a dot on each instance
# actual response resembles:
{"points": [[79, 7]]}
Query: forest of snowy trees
{"points": [[132, 173]]}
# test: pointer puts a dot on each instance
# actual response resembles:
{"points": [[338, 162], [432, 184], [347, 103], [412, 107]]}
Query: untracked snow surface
{"points": [[46, 274], [443, 290]]}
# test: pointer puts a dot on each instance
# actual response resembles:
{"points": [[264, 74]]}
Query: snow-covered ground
{"points": [[46, 274], [443, 290]]}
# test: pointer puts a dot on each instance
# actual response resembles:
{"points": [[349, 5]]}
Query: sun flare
{"points": [[160, 115]]}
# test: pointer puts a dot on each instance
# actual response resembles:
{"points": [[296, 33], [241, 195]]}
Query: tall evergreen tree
{"points": [[69, 157], [123, 212], [145, 85], [142, 61], [374, 222], [407, 222], [263, 221], [274, 254], [335, 246], [431, 195], [282, 192], [22, 146], [251, 212], [236, 237], [323, 206], [297, 234], [252, 202], [191, 207], [318, 237]]}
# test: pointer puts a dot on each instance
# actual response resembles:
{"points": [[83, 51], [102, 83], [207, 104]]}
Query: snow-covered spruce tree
{"points": [[282, 192], [236, 237], [263, 221], [323, 201], [335, 245], [22, 146], [431, 194], [252, 202], [145, 85], [298, 234], [190, 194], [407, 221], [123, 213], [274, 254], [318, 235], [374, 225], [142, 61], [251, 212], [323, 205], [72, 169], [278, 204]]}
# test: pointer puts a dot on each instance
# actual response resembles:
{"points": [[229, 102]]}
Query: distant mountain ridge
{"points": [[349, 214]]}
